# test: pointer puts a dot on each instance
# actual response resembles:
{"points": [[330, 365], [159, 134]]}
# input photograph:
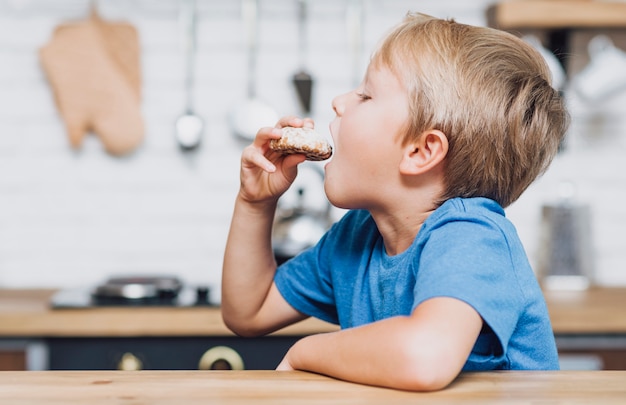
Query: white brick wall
{"points": [[71, 218]]}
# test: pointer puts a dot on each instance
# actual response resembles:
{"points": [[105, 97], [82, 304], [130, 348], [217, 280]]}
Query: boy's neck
{"points": [[400, 228]]}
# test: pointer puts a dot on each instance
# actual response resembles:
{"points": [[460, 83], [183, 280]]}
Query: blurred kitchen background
{"points": [[71, 217]]}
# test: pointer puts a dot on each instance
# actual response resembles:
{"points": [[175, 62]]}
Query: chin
{"points": [[338, 192], [338, 199], [330, 195]]}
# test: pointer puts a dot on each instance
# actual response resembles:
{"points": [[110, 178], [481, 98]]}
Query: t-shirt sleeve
{"points": [[470, 260], [305, 282]]}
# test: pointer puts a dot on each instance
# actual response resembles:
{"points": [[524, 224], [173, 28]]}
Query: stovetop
{"points": [[85, 298]]}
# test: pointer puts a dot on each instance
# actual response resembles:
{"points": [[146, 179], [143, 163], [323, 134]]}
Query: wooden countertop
{"points": [[551, 14], [593, 311], [275, 387], [26, 313]]}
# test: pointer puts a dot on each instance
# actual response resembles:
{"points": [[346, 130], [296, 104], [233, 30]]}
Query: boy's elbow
{"points": [[425, 372], [423, 381], [242, 327]]}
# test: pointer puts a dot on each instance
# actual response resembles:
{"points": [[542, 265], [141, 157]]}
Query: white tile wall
{"points": [[70, 218]]}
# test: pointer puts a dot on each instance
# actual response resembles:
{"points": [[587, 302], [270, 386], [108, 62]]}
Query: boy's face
{"points": [[367, 133]]}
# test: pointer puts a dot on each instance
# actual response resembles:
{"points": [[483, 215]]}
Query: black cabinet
{"points": [[168, 353]]}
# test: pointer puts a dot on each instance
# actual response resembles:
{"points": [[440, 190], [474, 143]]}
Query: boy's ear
{"points": [[425, 153]]}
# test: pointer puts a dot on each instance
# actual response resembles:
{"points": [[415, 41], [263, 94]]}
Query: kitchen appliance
{"points": [[155, 352], [168, 353], [566, 249], [303, 214], [140, 290]]}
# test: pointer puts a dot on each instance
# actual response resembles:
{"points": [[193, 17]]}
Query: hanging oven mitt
{"points": [[94, 70]]}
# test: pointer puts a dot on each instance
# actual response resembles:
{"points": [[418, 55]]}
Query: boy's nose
{"points": [[338, 105]]}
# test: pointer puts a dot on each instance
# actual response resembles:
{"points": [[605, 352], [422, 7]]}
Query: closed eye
{"points": [[363, 97]]}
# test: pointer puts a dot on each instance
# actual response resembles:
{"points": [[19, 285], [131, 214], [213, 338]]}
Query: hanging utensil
{"points": [[253, 114], [189, 126], [302, 80], [354, 25]]}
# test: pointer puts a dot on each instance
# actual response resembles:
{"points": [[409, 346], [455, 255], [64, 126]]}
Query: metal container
{"points": [[566, 250], [300, 224]]}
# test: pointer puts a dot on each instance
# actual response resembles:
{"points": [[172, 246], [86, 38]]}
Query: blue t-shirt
{"points": [[466, 249]]}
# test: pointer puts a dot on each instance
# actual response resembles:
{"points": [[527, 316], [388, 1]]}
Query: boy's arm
{"points": [[251, 304], [422, 352]]}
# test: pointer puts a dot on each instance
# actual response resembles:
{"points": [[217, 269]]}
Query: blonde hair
{"points": [[489, 92]]}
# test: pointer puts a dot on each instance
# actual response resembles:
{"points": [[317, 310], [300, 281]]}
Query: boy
{"points": [[424, 274]]}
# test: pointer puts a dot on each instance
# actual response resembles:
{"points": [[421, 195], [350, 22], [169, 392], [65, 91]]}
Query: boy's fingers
{"points": [[290, 121], [252, 157], [266, 134]]}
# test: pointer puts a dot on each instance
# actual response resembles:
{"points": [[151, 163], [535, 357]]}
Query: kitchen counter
{"points": [[27, 313], [273, 387], [34, 336], [550, 14], [589, 326], [594, 311]]}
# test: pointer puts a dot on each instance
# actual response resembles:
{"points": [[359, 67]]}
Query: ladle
{"points": [[354, 23], [189, 126], [248, 117], [302, 80]]}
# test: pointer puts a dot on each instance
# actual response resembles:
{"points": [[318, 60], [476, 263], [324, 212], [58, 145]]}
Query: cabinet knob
{"points": [[221, 358], [129, 362]]}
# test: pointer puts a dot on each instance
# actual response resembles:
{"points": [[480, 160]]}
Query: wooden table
{"points": [[274, 387]]}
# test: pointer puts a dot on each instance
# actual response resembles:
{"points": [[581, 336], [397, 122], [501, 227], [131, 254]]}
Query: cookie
{"points": [[303, 141]]}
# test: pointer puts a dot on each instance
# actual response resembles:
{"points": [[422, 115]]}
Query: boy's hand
{"points": [[265, 174]]}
